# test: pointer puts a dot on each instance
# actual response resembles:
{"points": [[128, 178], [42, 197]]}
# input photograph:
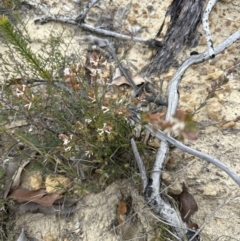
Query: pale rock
{"points": [[210, 190], [35, 181], [195, 170], [175, 189], [228, 125], [149, 54], [166, 176], [50, 237], [154, 143], [214, 75], [31, 180], [214, 109], [57, 184]]}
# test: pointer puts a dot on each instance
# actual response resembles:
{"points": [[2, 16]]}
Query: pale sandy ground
{"points": [[210, 186]]}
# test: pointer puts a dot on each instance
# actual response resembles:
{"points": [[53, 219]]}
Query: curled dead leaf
{"points": [[40, 196], [13, 172], [120, 80], [188, 204]]}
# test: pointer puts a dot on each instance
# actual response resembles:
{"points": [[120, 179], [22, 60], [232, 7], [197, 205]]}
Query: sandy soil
{"points": [[217, 195]]}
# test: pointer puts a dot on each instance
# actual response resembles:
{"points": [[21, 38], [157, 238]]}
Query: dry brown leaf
{"points": [[13, 173], [122, 80], [121, 214], [40, 196], [37, 208], [188, 204], [17, 175]]}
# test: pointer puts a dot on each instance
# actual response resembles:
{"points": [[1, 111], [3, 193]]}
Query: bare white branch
{"points": [[140, 164], [104, 32], [152, 189], [86, 9], [205, 23], [160, 135], [194, 59], [109, 33]]}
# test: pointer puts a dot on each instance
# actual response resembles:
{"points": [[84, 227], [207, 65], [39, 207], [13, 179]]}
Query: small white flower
{"points": [[28, 106], [19, 92], [88, 153], [88, 121], [101, 131], [105, 109], [67, 71], [65, 141], [68, 148], [105, 129], [24, 87]]}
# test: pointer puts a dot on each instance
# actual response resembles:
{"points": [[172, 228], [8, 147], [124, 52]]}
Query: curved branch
{"points": [[160, 135], [153, 188]]}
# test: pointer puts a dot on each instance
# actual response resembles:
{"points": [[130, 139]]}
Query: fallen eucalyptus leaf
{"points": [[40, 196], [13, 175], [37, 208]]}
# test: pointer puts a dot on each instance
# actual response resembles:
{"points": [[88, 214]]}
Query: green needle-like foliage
{"points": [[14, 38]]}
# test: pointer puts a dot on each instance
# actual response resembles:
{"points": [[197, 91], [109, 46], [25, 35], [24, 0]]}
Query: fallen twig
{"points": [[86, 9], [140, 164], [205, 23], [104, 32], [160, 135], [105, 43]]}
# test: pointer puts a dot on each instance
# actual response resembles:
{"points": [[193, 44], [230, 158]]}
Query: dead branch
{"points": [[105, 43], [161, 136], [152, 190], [181, 32], [104, 32], [139, 163], [205, 23], [86, 9]]}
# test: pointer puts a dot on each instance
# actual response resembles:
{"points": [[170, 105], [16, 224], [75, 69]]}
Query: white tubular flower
{"points": [[19, 92], [105, 109]]}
